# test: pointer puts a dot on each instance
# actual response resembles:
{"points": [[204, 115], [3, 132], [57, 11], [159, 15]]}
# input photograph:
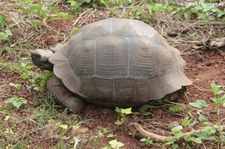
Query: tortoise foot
{"points": [[63, 95]]}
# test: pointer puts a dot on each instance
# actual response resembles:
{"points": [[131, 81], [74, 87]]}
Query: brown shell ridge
{"points": [[161, 86], [131, 91]]}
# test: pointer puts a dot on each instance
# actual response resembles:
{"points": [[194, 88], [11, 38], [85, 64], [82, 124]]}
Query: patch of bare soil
{"points": [[210, 67], [7, 91]]}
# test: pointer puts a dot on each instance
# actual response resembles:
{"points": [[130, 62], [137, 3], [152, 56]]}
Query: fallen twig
{"points": [[159, 138]]}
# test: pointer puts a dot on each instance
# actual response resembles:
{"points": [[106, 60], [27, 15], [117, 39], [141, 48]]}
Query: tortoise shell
{"points": [[119, 62]]}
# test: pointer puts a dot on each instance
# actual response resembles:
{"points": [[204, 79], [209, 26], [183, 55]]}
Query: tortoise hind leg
{"points": [[63, 95]]}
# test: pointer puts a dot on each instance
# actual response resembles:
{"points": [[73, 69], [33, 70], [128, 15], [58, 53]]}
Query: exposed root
{"points": [[142, 133]]}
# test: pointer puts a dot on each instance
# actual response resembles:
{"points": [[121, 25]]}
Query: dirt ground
{"points": [[203, 67]]}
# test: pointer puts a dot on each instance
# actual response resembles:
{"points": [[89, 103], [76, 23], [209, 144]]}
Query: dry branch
{"points": [[160, 138]]}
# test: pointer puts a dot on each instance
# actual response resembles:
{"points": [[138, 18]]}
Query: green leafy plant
{"points": [[218, 98], [144, 110], [158, 7], [5, 35], [15, 85], [39, 80], [122, 114], [113, 3], [76, 5], [177, 108], [147, 140], [188, 122], [201, 11], [174, 108], [209, 128], [114, 144], [75, 30], [16, 101], [43, 11], [177, 131], [64, 126], [206, 129], [25, 70], [198, 104]]}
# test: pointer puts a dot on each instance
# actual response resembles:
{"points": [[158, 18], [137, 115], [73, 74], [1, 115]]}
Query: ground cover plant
{"points": [[29, 117]]}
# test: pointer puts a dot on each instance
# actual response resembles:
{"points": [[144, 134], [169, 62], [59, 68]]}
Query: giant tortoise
{"points": [[113, 62]]}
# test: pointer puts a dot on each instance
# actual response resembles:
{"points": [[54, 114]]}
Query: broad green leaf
{"points": [[197, 140], [176, 108], [117, 110], [3, 36], [16, 101], [7, 118], [178, 134], [123, 111], [107, 147], [193, 123], [198, 104], [8, 32], [174, 146], [126, 111], [205, 136], [105, 130], [63, 126], [147, 140], [188, 138], [35, 8], [110, 136], [209, 130], [176, 129], [143, 139], [202, 118], [216, 89], [116, 144], [218, 101], [186, 122], [144, 110]]}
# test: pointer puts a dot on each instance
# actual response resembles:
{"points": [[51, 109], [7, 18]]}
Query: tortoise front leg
{"points": [[63, 95]]}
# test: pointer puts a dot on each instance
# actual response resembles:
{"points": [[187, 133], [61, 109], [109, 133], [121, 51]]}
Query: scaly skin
{"points": [[63, 95]]}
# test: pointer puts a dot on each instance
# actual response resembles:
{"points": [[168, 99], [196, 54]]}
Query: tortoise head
{"points": [[40, 58]]}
